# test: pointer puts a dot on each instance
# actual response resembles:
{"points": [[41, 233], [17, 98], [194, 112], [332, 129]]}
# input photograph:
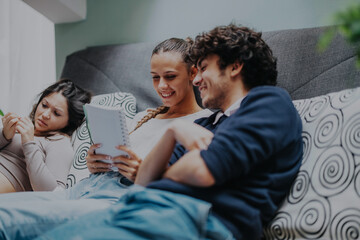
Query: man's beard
{"points": [[217, 101]]}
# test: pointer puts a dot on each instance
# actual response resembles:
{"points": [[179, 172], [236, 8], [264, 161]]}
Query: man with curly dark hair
{"points": [[222, 177], [242, 45]]}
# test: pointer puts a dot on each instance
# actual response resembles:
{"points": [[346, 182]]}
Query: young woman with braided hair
{"points": [[172, 78], [172, 75]]}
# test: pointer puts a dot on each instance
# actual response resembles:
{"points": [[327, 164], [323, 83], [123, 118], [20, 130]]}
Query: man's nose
{"points": [[197, 79]]}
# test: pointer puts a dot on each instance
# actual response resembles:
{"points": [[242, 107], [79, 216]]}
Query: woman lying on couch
{"points": [[172, 78], [35, 152]]}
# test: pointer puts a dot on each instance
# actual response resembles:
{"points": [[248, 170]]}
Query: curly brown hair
{"points": [[234, 43]]}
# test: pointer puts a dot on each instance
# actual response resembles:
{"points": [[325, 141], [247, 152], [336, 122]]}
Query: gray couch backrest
{"points": [[303, 71], [306, 72]]}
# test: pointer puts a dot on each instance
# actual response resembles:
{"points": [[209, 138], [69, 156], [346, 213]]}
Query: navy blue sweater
{"points": [[254, 157]]}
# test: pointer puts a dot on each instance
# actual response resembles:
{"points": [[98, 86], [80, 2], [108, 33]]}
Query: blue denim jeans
{"points": [[25, 215], [146, 214]]}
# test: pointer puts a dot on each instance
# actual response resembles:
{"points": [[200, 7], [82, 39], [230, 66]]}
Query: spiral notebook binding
{"points": [[124, 130]]}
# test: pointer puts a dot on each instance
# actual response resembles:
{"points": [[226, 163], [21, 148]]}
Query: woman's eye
{"points": [[203, 68], [44, 105], [171, 77], [155, 78], [57, 114]]}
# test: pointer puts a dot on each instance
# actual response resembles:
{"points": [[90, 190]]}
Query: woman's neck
{"points": [[46, 134], [180, 111]]}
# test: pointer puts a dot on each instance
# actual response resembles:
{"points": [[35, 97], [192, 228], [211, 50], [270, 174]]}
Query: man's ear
{"points": [[236, 69], [193, 72]]}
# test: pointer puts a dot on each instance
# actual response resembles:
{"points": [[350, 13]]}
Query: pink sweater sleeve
{"points": [[3, 140]]}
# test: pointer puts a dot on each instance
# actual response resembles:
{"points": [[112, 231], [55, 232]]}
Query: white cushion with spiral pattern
{"points": [[324, 201], [81, 138]]}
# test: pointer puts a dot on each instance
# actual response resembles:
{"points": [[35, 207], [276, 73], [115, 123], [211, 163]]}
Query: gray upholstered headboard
{"points": [[303, 71], [113, 68]]}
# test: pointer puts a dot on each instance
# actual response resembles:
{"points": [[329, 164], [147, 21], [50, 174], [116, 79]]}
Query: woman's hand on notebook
{"points": [[128, 165], [98, 162]]}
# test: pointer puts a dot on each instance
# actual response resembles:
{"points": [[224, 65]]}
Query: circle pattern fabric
{"points": [[324, 200], [81, 138]]}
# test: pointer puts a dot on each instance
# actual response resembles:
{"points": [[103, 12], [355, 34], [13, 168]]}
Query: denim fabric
{"points": [[146, 214], [25, 215], [107, 186]]}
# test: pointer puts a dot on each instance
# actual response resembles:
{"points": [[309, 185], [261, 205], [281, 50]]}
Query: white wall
{"points": [[27, 55], [60, 11]]}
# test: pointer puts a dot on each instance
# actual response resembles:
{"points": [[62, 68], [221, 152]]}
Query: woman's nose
{"points": [[163, 83], [46, 114]]}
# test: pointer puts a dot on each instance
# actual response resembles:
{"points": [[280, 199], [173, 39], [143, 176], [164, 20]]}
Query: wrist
{"points": [[7, 139], [26, 139]]}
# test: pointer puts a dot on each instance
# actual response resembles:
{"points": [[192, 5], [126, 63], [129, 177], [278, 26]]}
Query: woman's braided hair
{"points": [[151, 114], [170, 45]]}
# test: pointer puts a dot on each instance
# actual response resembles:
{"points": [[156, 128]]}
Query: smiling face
{"points": [[171, 78], [51, 113], [214, 84]]}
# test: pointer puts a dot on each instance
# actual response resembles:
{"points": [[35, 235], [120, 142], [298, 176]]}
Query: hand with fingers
{"points": [[191, 135], [26, 128], [98, 163], [9, 122], [129, 165]]}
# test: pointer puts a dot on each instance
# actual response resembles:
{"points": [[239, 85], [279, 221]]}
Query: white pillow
{"points": [[81, 138], [324, 201]]}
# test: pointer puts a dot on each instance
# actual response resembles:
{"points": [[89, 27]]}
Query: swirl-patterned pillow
{"points": [[324, 201], [81, 138]]}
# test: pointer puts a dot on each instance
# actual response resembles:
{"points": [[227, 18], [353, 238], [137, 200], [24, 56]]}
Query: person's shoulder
{"points": [[271, 99], [138, 117], [131, 123], [271, 91], [59, 138], [141, 114], [268, 95], [55, 141], [200, 114], [204, 113]]}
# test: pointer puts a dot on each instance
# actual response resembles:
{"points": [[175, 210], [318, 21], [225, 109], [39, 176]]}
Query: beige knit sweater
{"points": [[39, 165]]}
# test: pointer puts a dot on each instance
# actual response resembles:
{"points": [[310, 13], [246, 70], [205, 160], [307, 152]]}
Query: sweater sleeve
{"points": [[48, 165], [266, 122], [3, 140]]}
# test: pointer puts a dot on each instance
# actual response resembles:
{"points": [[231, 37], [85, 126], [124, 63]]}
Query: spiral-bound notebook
{"points": [[107, 125]]}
